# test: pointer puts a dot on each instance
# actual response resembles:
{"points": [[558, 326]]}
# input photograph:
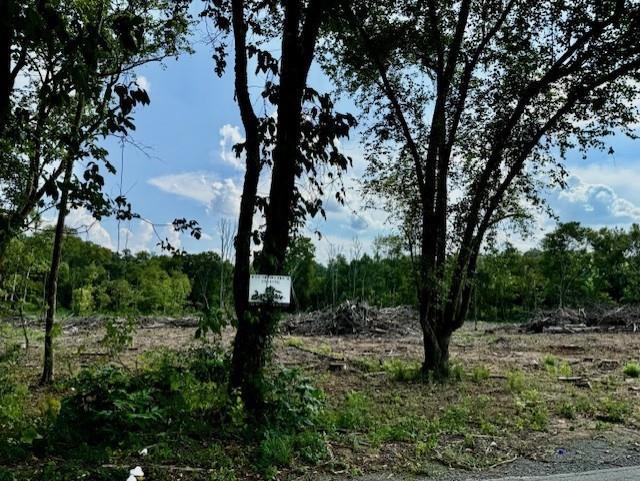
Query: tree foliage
{"points": [[471, 107], [69, 82]]}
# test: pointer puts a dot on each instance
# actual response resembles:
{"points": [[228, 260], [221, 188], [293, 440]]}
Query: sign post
{"points": [[270, 290]]}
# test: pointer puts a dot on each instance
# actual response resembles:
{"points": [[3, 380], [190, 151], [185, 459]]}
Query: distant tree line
{"points": [[95, 280], [573, 266]]}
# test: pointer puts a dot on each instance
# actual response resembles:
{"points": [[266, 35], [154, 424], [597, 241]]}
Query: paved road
{"points": [[618, 474]]}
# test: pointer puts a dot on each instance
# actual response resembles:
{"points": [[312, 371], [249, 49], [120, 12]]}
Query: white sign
{"points": [[273, 289]]}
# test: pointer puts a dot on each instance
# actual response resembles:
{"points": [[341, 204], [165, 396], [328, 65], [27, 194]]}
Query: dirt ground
{"points": [[521, 404]]}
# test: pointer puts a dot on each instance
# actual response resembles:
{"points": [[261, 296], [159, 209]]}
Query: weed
{"points": [[516, 381], [533, 411], [480, 373], [584, 406], [567, 410], [402, 371], [294, 342], [275, 451], [354, 412], [613, 411], [425, 447], [556, 367], [550, 361], [455, 419], [311, 447], [632, 369], [455, 372], [565, 369]]}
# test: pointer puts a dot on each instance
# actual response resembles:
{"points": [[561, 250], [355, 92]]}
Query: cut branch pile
{"points": [[592, 319], [353, 318]]}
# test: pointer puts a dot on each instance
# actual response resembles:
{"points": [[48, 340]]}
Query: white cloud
{"points": [[143, 83], [229, 136], [220, 196], [88, 228], [138, 240], [596, 204]]}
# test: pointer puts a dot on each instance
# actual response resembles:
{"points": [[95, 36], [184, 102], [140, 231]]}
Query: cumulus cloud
{"points": [[229, 136], [594, 204], [141, 238], [219, 196], [89, 228]]}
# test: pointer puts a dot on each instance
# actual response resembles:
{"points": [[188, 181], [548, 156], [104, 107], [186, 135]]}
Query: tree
{"points": [[295, 137], [64, 52], [566, 263], [97, 44], [300, 264], [609, 258], [483, 98], [227, 232]]}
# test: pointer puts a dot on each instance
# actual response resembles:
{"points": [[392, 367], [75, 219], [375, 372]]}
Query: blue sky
{"points": [[181, 166]]}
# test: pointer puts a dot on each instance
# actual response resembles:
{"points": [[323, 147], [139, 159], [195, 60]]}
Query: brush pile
{"points": [[599, 318], [353, 318]]}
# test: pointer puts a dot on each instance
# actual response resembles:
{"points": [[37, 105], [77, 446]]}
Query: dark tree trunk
{"points": [[52, 278], [436, 350], [244, 356], [6, 39], [256, 326]]}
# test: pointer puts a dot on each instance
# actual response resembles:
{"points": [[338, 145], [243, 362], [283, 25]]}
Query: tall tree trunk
{"points": [[256, 326], [6, 39], [243, 354], [52, 278]]}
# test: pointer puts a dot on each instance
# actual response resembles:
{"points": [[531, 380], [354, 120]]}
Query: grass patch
{"points": [[613, 411], [516, 381], [632, 369], [556, 366], [480, 373], [402, 371]]}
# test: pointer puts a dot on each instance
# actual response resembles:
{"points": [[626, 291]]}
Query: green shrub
{"points": [[613, 411], [311, 447], [111, 402], [402, 371], [516, 381], [118, 334], [275, 451], [480, 373], [292, 401], [632, 369]]}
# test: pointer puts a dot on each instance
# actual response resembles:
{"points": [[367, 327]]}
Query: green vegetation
{"points": [[632, 369], [105, 412], [95, 280]]}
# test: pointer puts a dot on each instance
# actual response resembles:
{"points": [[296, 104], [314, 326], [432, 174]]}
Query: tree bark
{"points": [[6, 39], [52, 278], [256, 326], [244, 357], [436, 349]]}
